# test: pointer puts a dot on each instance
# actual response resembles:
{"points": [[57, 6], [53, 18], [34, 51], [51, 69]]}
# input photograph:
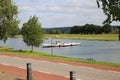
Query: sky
{"points": [[60, 13]]}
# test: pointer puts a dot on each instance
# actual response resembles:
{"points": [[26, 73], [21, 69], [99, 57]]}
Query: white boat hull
{"points": [[60, 45]]}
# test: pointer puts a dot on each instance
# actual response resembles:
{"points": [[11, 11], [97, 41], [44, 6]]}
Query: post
{"points": [[51, 47], [29, 71], [119, 32], [72, 75]]}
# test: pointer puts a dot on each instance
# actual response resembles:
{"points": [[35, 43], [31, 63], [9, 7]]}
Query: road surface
{"points": [[61, 69]]}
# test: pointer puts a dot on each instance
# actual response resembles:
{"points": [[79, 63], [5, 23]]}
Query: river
{"points": [[108, 51]]}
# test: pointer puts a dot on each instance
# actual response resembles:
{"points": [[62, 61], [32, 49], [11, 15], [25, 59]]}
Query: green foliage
{"points": [[8, 19], [63, 30], [86, 29], [111, 8], [14, 28], [107, 28], [56, 31], [119, 32], [75, 30], [45, 55], [32, 32]]}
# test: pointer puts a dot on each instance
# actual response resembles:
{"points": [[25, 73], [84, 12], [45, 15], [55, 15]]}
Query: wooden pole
{"points": [[72, 75], [119, 32], [51, 47], [29, 71]]}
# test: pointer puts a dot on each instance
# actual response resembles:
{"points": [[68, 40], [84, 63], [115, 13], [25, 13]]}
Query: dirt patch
{"points": [[22, 73], [6, 76]]}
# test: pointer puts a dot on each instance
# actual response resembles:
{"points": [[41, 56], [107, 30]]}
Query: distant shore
{"points": [[100, 37]]}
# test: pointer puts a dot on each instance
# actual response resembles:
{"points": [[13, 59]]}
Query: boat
{"points": [[59, 44]]}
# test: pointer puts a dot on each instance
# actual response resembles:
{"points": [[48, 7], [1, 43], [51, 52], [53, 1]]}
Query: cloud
{"points": [[28, 8], [65, 6], [60, 12]]}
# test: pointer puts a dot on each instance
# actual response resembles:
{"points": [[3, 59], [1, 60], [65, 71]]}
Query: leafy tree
{"points": [[98, 30], [111, 8], [32, 33], [8, 19], [56, 31], [53, 32], [107, 28], [75, 30], [86, 29], [91, 29], [14, 28]]}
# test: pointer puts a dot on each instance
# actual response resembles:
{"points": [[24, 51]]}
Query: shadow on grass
{"points": [[20, 50]]}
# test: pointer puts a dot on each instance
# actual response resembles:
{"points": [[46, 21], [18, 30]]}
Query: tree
{"points": [[111, 8], [32, 33], [91, 29], [107, 28], [14, 28], [8, 19], [56, 31], [75, 30], [86, 29]]}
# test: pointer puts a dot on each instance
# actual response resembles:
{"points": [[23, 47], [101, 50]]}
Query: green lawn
{"points": [[4, 50], [103, 37]]}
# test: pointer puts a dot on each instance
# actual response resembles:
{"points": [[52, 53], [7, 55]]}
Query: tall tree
{"points": [[8, 19], [32, 33], [111, 8]]}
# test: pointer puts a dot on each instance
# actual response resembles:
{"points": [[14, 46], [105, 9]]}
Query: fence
{"points": [[29, 73]]}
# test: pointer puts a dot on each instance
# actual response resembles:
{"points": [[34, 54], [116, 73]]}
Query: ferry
{"points": [[59, 44]]}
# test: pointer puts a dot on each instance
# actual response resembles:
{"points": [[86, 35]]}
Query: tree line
{"points": [[85, 29], [58, 30], [91, 29]]}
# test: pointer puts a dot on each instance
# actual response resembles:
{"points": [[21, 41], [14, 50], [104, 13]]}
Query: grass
{"points": [[18, 36], [101, 37], [1, 72], [45, 55]]}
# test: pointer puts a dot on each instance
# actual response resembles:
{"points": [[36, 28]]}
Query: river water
{"points": [[108, 51]]}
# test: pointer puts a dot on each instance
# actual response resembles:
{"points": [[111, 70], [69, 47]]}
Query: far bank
{"points": [[100, 37]]}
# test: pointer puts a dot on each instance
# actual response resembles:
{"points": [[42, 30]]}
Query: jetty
{"points": [[60, 44]]}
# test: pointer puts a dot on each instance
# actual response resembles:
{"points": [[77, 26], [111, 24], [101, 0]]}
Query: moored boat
{"points": [[59, 44]]}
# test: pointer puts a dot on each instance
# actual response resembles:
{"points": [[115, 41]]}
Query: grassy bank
{"points": [[4, 50], [102, 37]]}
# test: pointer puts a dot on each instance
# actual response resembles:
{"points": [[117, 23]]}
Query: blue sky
{"points": [[60, 13]]}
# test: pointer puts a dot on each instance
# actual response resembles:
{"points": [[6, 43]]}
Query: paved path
{"points": [[61, 69]]}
